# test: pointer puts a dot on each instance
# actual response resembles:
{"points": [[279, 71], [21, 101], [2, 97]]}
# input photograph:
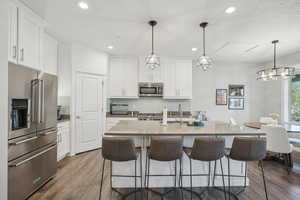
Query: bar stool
{"points": [[121, 149], [248, 149], [206, 149], [164, 150]]}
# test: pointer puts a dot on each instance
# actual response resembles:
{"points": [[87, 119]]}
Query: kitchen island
{"points": [[142, 131]]}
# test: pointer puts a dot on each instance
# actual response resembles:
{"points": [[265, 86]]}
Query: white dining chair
{"points": [[278, 142], [268, 120], [232, 121]]}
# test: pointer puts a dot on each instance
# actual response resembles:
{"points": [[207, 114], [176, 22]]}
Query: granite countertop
{"points": [[154, 128], [63, 120]]}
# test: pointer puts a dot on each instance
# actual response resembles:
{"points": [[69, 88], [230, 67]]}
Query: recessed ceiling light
{"points": [[110, 47], [195, 49], [83, 5], [230, 10]]}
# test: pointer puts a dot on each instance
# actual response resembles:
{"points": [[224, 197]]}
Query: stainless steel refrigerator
{"points": [[32, 136]]}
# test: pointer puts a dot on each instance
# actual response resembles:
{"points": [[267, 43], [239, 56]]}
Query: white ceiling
{"points": [[243, 36]]}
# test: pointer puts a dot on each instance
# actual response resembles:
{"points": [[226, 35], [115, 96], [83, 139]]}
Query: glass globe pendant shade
{"points": [[152, 61], [205, 62]]}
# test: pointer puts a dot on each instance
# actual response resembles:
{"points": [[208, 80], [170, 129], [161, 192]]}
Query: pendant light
{"points": [[275, 73], [204, 61], [152, 61]]}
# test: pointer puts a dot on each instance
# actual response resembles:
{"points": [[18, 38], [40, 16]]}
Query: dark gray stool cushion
{"points": [[118, 149], [248, 149], [206, 149], [165, 149]]}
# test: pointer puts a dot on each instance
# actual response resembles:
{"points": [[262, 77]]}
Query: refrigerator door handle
{"points": [[41, 101], [33, 101]]}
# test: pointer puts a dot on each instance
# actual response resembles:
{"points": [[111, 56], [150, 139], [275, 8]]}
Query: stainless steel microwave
{"points": [[151, 89]]}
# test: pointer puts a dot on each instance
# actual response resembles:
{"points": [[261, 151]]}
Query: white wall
{"points": [[88, 60], [220, 77], [3, 97]]}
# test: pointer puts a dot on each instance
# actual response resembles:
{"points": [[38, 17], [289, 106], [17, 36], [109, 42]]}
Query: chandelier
{"points": [[204, 61], [152, 61], [275, 73]]}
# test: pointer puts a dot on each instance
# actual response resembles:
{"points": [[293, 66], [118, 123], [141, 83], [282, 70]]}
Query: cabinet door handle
{"points": [[14, 51], [22, 54]]}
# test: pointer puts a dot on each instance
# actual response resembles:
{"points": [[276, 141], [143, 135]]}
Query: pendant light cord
{"points": [[152, 40], [203, 41], [275, 55]]}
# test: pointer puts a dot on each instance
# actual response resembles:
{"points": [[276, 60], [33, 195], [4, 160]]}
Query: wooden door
{"points": [[89, 111]]}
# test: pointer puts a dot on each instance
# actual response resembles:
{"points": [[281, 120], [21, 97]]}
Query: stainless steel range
{"points": [[150, 116], [32, 135]]}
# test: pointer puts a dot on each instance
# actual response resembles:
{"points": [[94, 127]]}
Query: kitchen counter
{"points": [[154, 128], [63, 120]]}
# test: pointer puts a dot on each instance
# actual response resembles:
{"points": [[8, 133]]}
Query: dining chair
{"points": [[278, 142], [232, 121]]}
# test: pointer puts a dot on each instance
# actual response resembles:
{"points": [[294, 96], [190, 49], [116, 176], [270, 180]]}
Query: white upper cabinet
{"points": [[24, 39], [177, 79], [64, 70], [123, 78], [50, 54], [12, 33], [29, 40]]}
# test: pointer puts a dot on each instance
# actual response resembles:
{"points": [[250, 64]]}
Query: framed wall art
{"points": [[221, 96]]}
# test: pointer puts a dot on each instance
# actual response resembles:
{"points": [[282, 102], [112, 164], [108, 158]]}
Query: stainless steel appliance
{"points": [[150, 116], [119, 109], [151, 89], [32, 130]]}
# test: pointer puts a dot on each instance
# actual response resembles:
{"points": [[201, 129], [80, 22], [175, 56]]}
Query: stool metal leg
{"points": [[148, 177], [135, 179], [209, 169], [146, 165], [141, 174], [223, 180], [191, 180], [180, 177], [228, 176], [102, 179], [263, 175], [175, 177]]}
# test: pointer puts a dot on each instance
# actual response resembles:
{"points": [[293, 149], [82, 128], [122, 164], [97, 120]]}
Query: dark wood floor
{"points": [[78, 178]]}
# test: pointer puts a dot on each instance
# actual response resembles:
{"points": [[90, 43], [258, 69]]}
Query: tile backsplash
{"points": [[152, 104], [64, 102]]}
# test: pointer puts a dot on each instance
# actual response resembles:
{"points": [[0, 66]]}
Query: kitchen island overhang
{"points": [[142, 131]]}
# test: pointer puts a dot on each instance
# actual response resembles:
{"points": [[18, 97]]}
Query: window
{"points": [[295, 99]]}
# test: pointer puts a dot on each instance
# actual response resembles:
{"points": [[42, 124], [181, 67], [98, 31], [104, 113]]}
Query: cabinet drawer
{"points": [[30, 172]]}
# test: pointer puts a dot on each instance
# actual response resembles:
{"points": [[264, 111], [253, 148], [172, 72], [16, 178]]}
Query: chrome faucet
{"points": [[180, 113]]}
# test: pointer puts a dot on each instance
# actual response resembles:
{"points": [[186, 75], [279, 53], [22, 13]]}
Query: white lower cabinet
{"points": [[63, 140]]}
